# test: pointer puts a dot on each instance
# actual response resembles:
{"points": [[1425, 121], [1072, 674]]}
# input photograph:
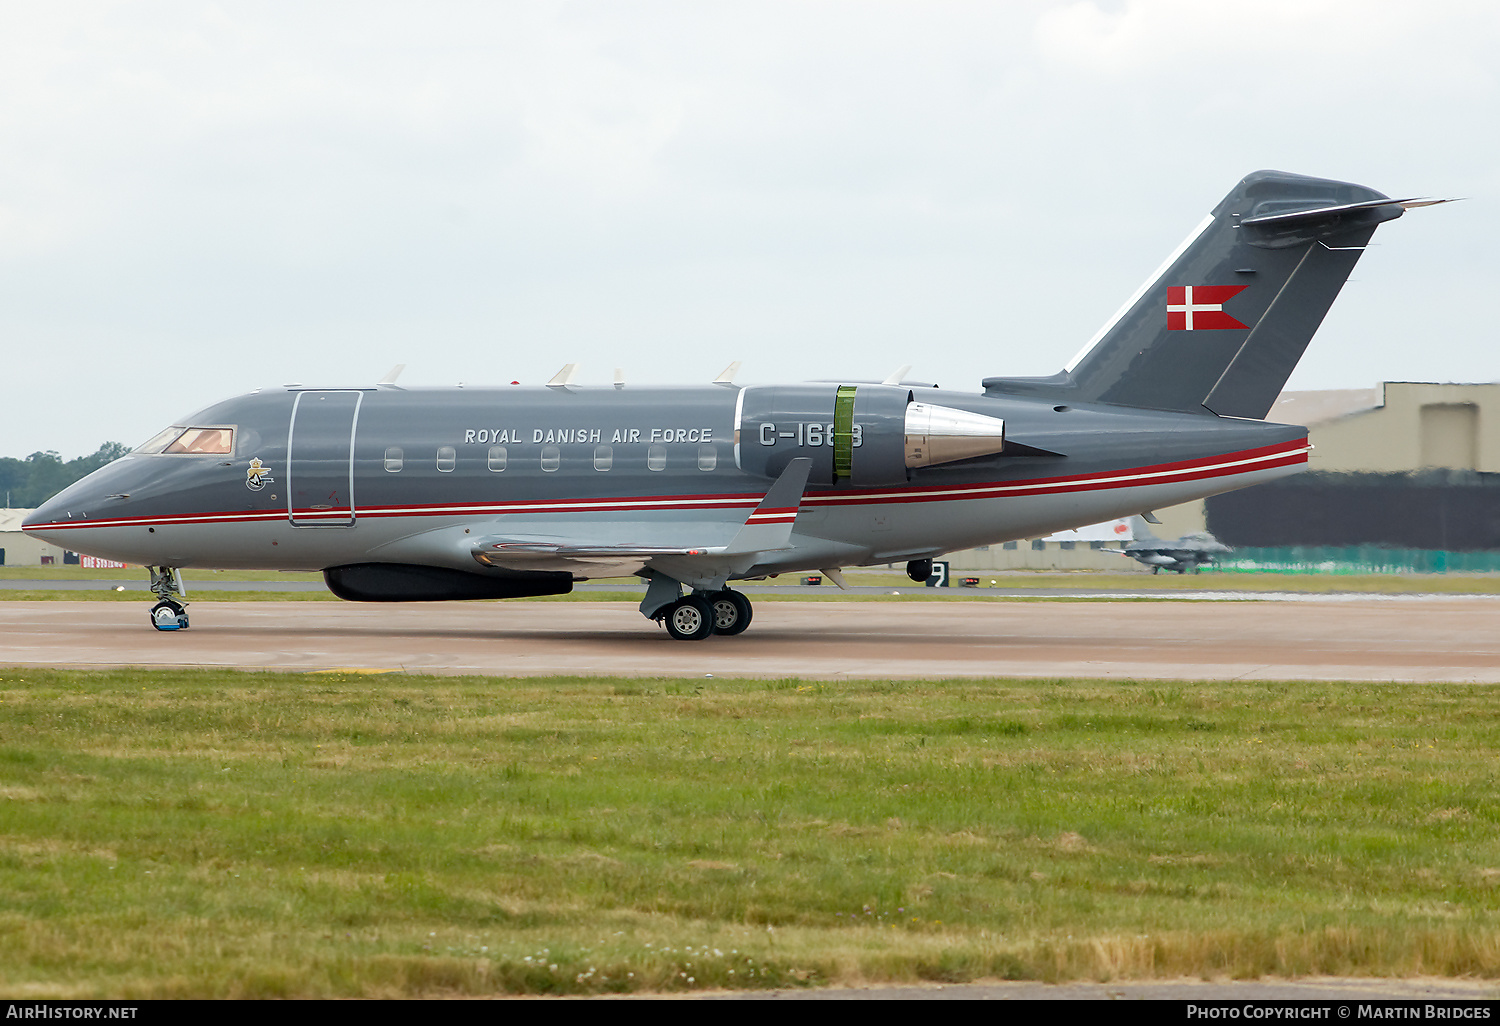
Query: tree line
{"points": [[28, 483]]}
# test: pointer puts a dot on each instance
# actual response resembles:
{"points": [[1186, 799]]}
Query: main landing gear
{"points": [[170, 612], [700, 614]]}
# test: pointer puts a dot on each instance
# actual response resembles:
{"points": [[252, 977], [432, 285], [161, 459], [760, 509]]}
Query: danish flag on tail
{"points": [[1201, 307]]}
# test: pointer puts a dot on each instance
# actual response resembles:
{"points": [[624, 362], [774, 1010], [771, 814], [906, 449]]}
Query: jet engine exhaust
{"points": [[941, 434]]}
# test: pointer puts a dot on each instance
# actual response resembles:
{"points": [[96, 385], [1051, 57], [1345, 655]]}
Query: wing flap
{"points": [[768, 528]]}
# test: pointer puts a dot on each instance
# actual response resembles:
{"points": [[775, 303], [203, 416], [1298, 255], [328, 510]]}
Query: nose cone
{"points": [[50, 512], [57, 519]]}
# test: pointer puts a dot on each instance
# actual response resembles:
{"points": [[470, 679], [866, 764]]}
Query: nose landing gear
{"points": [[169, 614]]}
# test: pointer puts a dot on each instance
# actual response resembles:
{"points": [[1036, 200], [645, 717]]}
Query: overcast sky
{"points": [[197, 199]]}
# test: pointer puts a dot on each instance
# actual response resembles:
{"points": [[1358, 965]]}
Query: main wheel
{"points": [[731, 612], [167, 615], [689, 619]]}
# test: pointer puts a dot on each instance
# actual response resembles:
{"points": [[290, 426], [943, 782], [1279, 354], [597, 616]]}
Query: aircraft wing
{"points": [[582, 558], [684, 549]]}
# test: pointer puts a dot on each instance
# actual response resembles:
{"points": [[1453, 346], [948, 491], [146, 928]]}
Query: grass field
{"points": [[214, 834]]}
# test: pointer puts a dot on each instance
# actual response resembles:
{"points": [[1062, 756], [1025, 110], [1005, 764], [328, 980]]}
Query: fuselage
{"points": [[306, 479]]}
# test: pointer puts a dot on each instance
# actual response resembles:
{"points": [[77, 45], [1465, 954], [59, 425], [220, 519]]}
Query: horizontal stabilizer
{"points": [[1327, 213]]}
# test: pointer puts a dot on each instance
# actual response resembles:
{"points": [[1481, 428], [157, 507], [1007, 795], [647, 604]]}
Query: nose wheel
{"points": [[167, 615], [170, 612]]}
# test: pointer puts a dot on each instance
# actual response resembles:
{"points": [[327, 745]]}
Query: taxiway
{"points": [[1383, 638]]}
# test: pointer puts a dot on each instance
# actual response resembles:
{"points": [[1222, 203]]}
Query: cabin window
{"points": [[604, 457], [447, 459], [193, 441], [394, 459], [656, 457], [498, 458], [551, 458], [708, 457]]}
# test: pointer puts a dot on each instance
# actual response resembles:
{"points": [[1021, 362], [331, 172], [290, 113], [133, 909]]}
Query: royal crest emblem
{"points": [[257, 475]]}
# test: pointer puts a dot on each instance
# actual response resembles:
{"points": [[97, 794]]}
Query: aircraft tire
{"points": [[731, 612], [689, 619], [167, 615]]}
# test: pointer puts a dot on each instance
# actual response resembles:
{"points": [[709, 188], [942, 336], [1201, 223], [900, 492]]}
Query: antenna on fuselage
{"points": [[564, 377]]}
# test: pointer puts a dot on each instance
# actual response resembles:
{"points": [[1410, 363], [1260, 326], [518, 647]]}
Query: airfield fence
{"points": [[1357, 559]]}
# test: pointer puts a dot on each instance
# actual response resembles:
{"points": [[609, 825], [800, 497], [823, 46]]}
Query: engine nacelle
{"points": [[863, 435]]}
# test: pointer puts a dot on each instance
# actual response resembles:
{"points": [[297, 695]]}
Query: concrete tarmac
{"points": [[1381, 638]]}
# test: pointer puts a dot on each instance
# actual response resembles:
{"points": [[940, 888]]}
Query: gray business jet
{"points": [[1190, 552], [421, 494]]}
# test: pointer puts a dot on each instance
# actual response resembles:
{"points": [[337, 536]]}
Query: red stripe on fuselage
{"points": [[1245, 461]]}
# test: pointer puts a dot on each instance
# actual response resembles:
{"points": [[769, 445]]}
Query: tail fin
{"points": [[1219, 328], [1141, 531]]}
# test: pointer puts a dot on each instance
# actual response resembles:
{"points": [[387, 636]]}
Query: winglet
{"points": [[769, 526]]}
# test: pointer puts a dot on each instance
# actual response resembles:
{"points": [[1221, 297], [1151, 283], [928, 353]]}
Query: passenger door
{"points": [[320, 459]]}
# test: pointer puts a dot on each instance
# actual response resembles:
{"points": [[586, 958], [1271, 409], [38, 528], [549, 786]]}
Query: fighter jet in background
{"points": [[428, 494], [1190, 552]]}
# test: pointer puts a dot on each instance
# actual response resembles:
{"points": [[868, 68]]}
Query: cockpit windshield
{"points": [[180, 439]]}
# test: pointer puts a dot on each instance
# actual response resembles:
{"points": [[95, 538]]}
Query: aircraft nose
{"points": [[65, 507], [79, 502]]}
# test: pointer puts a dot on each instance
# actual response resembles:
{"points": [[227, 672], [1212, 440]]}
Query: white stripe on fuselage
{"points": [[1134, 477]]}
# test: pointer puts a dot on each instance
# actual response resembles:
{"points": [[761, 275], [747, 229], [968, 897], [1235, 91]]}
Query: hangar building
{"points": [[19, 549], [1407, 466]]}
